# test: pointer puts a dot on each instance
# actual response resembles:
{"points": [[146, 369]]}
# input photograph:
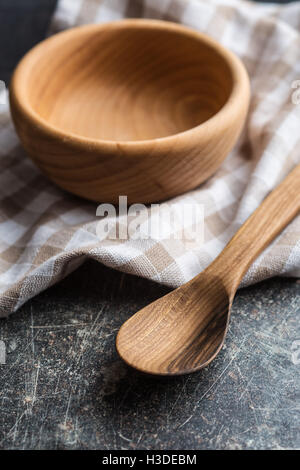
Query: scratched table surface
{"points": [[64, 387]]}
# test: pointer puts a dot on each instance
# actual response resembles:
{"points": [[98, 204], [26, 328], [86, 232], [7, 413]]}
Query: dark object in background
{"points": [[23, 23]]}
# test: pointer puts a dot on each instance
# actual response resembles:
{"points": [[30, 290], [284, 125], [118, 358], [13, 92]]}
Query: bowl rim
{"points": [[240, 89]]}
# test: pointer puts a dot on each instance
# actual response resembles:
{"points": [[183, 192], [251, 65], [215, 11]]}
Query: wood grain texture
{"points": [[184, 330], [144, 108]]}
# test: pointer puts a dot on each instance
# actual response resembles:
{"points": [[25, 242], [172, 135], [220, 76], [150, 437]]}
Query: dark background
{"points": [[64, 387], [23, 23]]}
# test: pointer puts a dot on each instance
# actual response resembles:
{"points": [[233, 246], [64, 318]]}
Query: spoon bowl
{"points": [[144, 108], [186, 337]]}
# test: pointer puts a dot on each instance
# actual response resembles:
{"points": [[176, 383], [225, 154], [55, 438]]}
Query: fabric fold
{"points": [[46, 233]]}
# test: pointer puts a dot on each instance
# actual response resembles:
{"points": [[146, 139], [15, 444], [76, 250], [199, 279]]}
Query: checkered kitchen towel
{"points": [[46, 233]]}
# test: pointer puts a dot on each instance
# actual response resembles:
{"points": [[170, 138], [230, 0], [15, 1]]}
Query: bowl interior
{"points": [[127, 83]]}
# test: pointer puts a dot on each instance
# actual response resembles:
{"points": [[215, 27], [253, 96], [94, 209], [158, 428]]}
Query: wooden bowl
{"points": [[143, 108]]}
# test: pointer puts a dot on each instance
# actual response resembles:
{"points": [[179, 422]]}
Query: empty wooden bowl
{"points": [[143, 108]]}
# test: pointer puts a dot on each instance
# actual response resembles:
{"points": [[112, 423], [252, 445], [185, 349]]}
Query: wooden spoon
{"points": [[184, 330]]}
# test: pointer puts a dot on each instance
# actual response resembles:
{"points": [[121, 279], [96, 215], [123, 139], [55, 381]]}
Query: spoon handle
{"points": [[268, 220]]}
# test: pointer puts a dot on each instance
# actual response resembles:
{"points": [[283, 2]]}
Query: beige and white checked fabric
{"points": [[45, 233]]}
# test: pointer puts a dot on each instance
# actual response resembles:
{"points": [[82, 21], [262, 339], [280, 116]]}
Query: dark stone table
{"points": [[64, 387]]}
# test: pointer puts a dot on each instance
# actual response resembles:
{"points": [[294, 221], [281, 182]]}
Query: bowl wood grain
{"points": [[143, 108]]}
